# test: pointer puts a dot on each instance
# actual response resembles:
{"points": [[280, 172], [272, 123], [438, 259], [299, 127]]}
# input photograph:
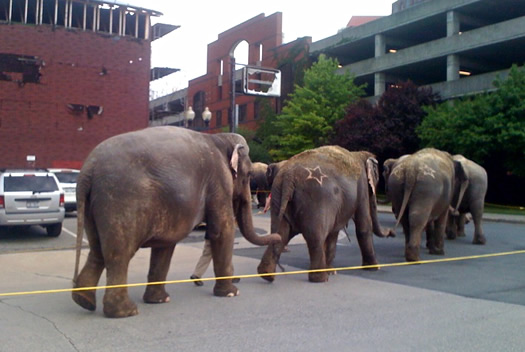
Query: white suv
{"points": [[67, 178], [31, 197]]}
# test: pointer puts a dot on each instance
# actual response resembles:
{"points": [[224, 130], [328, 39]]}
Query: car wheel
{"points": [[54, 230]]}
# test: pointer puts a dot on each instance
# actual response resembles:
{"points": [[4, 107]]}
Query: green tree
{"points": [[308, 118], [489, 128]]}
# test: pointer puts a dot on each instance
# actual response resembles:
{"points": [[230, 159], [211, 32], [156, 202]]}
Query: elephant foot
{"points": [[436, 251], [412, 254], [85, 299], [228, 290], [462, 234], [263, 269], [119, 307], [370, 263], [451, 236], [156, 295], [480, 239], [318, 277]]}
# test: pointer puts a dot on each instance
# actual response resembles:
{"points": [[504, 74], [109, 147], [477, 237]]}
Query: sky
{"points": [[202, 21]]}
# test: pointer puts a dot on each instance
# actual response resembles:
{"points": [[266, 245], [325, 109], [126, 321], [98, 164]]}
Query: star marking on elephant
{"points": [[316, 174], [427, 170]]}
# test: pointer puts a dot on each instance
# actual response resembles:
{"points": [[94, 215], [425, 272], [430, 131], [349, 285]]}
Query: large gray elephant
{"points": [[473, 201], [316, 193], [150, 188], [259, 183], [421, 187]]}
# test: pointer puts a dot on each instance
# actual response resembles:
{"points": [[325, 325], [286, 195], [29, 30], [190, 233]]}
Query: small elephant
{"points": [[421, 187], [473, 201], [150, 188], [259, 183], [316, 193]]}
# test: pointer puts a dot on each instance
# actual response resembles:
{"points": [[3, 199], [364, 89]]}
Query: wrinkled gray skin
{"points": [[316, 193], [421, 187], [259, 183], [150, 188], [473, 202], [273, 170]]}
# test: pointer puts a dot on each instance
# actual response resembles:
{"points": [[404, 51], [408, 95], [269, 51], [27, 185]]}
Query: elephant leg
{"points": [[117, 303], [316, 250], [477, 215], [461, 224], [160, 260], [430, 231], [273, 253], [437, 241], [222, 234], [364, 234], [417, 224], [452, 227], [89, 277], [330, 248]]}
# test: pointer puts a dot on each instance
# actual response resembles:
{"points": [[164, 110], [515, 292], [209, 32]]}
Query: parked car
{"points": [[67, 178], [31, 197]]}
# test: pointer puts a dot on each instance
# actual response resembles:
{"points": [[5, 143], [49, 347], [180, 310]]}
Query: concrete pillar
{"points": [[379, 83], [380, 45], [452, 23], [452, 67]]}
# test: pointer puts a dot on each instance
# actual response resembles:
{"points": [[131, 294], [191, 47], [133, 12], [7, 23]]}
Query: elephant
{"points": [[421, 188], [473, 201], [150, 188], [316, 193], [259, 183], [272, 171]]}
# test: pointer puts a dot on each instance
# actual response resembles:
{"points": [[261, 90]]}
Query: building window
{"points": [[84, 15], [257, 109], [242, 113], [218, 118]]}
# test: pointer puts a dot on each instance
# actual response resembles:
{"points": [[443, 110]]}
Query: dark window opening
{"points": [[243, 112], [18, 10], [90, 17], [142, 26], [4, 10], [60, 19], [48, 12], [131, 21], [104, 20], [31, 12], [218, 118], [20, 68], [77, 15], [115, 23]]}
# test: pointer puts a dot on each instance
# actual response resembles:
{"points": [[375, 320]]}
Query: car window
{"points": [[30, 183], [67, 177]]}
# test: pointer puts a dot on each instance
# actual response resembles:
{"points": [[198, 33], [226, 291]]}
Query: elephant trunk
{"points": [[376, 226], [243, 215]]}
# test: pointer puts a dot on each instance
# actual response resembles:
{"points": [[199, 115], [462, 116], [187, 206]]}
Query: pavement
{"points": [[291, 314]]}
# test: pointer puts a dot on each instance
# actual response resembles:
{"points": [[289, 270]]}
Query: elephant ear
{"points": [[234, 161], [372, 173]]}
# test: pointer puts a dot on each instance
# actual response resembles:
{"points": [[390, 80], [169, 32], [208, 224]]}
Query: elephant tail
{"points": [[83, 190], [280, 199], [409, 183]]}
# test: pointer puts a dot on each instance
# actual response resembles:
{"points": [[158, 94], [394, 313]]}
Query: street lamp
{"points": [[206, 116], [189, 115]]}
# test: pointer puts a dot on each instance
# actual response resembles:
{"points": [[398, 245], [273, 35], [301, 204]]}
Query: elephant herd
{"points": [[150, 188]]}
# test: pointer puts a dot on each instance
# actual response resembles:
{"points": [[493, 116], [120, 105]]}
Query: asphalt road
{"points": [[471, 305]]}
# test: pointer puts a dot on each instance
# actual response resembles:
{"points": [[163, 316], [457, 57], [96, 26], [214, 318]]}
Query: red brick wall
{"points": [[34, 118]]}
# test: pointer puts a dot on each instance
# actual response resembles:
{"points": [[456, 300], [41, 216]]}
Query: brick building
{"points": [[72, 74], [263, 34]]}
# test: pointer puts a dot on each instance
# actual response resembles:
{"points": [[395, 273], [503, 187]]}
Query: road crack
{"points": [[55, 326]]}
